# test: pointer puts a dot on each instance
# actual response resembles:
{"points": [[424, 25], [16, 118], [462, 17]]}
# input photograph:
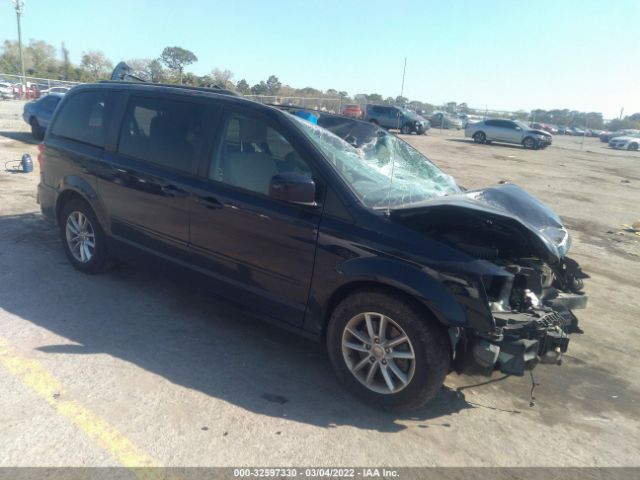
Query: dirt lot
{"points": [[128, 368]]}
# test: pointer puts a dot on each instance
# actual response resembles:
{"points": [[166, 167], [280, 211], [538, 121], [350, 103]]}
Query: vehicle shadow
{"points": [[20, 136], [492, 144], [185, 335]]}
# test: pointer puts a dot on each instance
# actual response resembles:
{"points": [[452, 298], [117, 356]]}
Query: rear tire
{"points": [[479, 137], [37, 131], [406, 129], [83, 240], [415, 367]]}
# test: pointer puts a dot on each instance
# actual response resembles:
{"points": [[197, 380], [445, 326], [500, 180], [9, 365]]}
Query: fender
{"points": [[79, 185], [454, 306]]}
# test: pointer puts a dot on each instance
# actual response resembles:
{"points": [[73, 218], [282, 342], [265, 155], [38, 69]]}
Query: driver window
{"points": [[251, 152]]}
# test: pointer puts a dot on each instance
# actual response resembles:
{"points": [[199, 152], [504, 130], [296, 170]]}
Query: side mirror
{"points": [[293, 187]]}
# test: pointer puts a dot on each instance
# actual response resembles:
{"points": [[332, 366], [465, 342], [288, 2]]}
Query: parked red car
{"points": [[353, 111]]}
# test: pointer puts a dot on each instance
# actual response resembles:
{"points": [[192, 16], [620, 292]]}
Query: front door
{"points": [[259, 251]]}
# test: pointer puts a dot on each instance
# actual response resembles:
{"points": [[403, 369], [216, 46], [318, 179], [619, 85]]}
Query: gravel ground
{"points": [[128, 368]]}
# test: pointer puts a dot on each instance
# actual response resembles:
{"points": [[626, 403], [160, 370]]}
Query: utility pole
{"points": [[19, 9], [404, 70]]}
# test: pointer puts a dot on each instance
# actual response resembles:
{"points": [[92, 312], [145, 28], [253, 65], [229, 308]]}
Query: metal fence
{"points": [[35, 86], [324, 104]]}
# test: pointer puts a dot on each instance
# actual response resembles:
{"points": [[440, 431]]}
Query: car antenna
{"points": [[393, 163]]}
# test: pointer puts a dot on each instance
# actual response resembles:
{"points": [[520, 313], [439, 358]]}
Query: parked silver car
{"points": [[507, 131]]}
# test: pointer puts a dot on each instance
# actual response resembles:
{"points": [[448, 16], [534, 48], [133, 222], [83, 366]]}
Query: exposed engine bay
{"points": [[536, 288]]}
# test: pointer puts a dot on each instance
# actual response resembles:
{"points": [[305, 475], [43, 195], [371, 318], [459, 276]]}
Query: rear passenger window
{"points": [[166, 132], [82, 118]]}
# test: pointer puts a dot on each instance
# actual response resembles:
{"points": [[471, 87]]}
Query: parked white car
{"points": [[507, 131], [625, 143], [6, 90]]}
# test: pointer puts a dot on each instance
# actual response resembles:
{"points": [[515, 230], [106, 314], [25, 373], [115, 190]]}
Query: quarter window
{"points": [[251, 152], [166, 132], [82, 118]]}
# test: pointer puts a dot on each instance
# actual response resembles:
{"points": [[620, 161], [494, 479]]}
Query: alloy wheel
{"points": [[378, 352], [80, 236]]}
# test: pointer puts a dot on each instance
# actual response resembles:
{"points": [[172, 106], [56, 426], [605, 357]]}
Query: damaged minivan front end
{"points": [[499, 253], [523, 289]]}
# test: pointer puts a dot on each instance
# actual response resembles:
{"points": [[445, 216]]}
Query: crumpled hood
{"points": [[540, 132], [512, 205]]}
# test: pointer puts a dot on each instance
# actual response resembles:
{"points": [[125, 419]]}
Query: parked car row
{"points": [[12, 90]]}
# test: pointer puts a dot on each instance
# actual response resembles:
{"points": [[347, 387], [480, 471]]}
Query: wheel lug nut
{"points": [[377, 340], [384, 362], [387, 350], [371, 359], [368, 347]]}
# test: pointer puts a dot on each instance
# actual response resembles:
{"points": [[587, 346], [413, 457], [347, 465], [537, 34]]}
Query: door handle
{"points": [[173, 191], [209, 202]]}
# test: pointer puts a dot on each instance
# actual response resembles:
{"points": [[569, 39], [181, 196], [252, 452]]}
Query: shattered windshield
{"points": [[384, 172]]}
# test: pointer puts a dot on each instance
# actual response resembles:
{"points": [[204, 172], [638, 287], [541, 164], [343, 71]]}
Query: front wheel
{"points": [[386, 351], [479, 137], [633, 146], [529, 143]]}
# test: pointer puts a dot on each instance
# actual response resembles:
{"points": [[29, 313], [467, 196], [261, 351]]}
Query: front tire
{"points": [[529, 143], [386, 351], [479, 137], [633, 147], [83, 240]]}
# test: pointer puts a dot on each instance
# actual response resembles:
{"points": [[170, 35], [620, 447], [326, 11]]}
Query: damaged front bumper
{"points": [[523, 340], [533, 315]]}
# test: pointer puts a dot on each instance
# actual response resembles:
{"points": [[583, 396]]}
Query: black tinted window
{"points": [[82, 118], [492, 123], [166, 132]]}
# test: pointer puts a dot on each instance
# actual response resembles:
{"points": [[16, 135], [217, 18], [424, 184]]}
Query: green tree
{"points": [[374, 97], [222, 78], [273, 85], [96, 64], [176, 58], [259, 88], [243, 87]]}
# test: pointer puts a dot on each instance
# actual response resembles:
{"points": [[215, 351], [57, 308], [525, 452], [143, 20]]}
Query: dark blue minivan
{"points": [[345, 234]]}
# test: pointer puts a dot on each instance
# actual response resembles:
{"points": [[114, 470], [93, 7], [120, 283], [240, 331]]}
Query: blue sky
{"points": [[503, 54]]}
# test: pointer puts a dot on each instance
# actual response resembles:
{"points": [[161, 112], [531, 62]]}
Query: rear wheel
{"points": [[83, 239], [37, 131], [479, 137], [387, 352], [406, 129]]}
